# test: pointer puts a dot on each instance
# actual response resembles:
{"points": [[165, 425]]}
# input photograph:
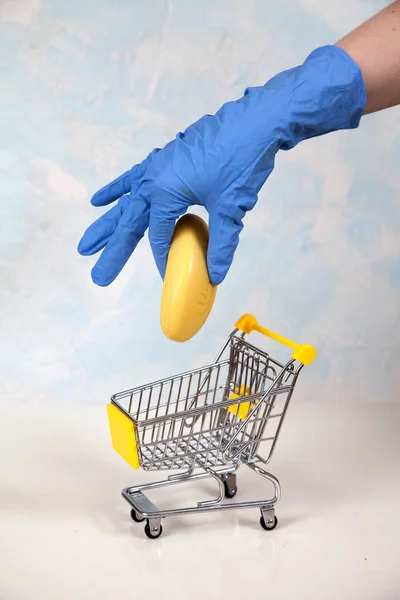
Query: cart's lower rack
{"points": [[143, 508]]}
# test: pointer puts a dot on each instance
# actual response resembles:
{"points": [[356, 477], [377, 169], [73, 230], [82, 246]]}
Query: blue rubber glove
{"points": [[221, 162]]}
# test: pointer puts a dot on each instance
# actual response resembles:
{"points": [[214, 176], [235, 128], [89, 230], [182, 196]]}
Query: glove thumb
{"points": [[225, 225]]}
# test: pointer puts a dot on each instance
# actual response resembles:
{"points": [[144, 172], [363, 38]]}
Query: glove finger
{"points": [[122, 184], [225, 225], [165, 210], [114, 190], [98, 233], [129, 231]]}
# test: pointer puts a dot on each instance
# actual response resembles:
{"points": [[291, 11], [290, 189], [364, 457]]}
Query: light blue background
{"points": [[89, 88]]}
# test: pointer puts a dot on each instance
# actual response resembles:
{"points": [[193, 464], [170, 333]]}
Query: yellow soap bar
{"points": [[188, 294]]}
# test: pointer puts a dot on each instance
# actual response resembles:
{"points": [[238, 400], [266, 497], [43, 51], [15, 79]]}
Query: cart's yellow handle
{"points": [[304, 353]]}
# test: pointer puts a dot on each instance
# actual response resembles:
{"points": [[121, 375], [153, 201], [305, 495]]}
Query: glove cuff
{"points": [[327, 94]]}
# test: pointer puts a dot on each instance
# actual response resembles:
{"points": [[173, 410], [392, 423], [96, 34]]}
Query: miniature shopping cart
{"points": [[206, 423]]}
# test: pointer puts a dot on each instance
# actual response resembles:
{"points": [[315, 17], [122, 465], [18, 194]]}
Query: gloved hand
{"points": [[221, 162]]}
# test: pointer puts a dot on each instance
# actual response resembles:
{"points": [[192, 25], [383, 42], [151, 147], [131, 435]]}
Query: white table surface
{"points": [[65, 531]]}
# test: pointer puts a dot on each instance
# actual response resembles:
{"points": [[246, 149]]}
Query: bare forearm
{"points": [[375, 47]]}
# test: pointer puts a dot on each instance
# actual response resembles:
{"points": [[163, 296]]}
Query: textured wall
{"points": [[89, 88]]}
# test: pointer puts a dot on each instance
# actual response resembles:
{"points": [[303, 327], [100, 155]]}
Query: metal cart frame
{"points": [[207, 422]]}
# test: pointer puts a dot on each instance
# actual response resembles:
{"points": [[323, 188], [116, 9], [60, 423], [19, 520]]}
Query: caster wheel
{"points": [[152, 534], [230, 492], [135, 517], [268, 526]]}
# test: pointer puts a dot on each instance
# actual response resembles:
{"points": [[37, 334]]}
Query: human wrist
{"points": [[324, 94]]}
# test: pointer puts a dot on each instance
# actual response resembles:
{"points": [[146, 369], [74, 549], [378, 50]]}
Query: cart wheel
{"points": [[268, 526], [153, 534], [230, 491], [135, 517]]}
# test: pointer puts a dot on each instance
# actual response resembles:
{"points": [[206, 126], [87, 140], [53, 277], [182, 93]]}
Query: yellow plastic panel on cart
{"points": [[123, 437], [188, 294], [241, 410]]}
